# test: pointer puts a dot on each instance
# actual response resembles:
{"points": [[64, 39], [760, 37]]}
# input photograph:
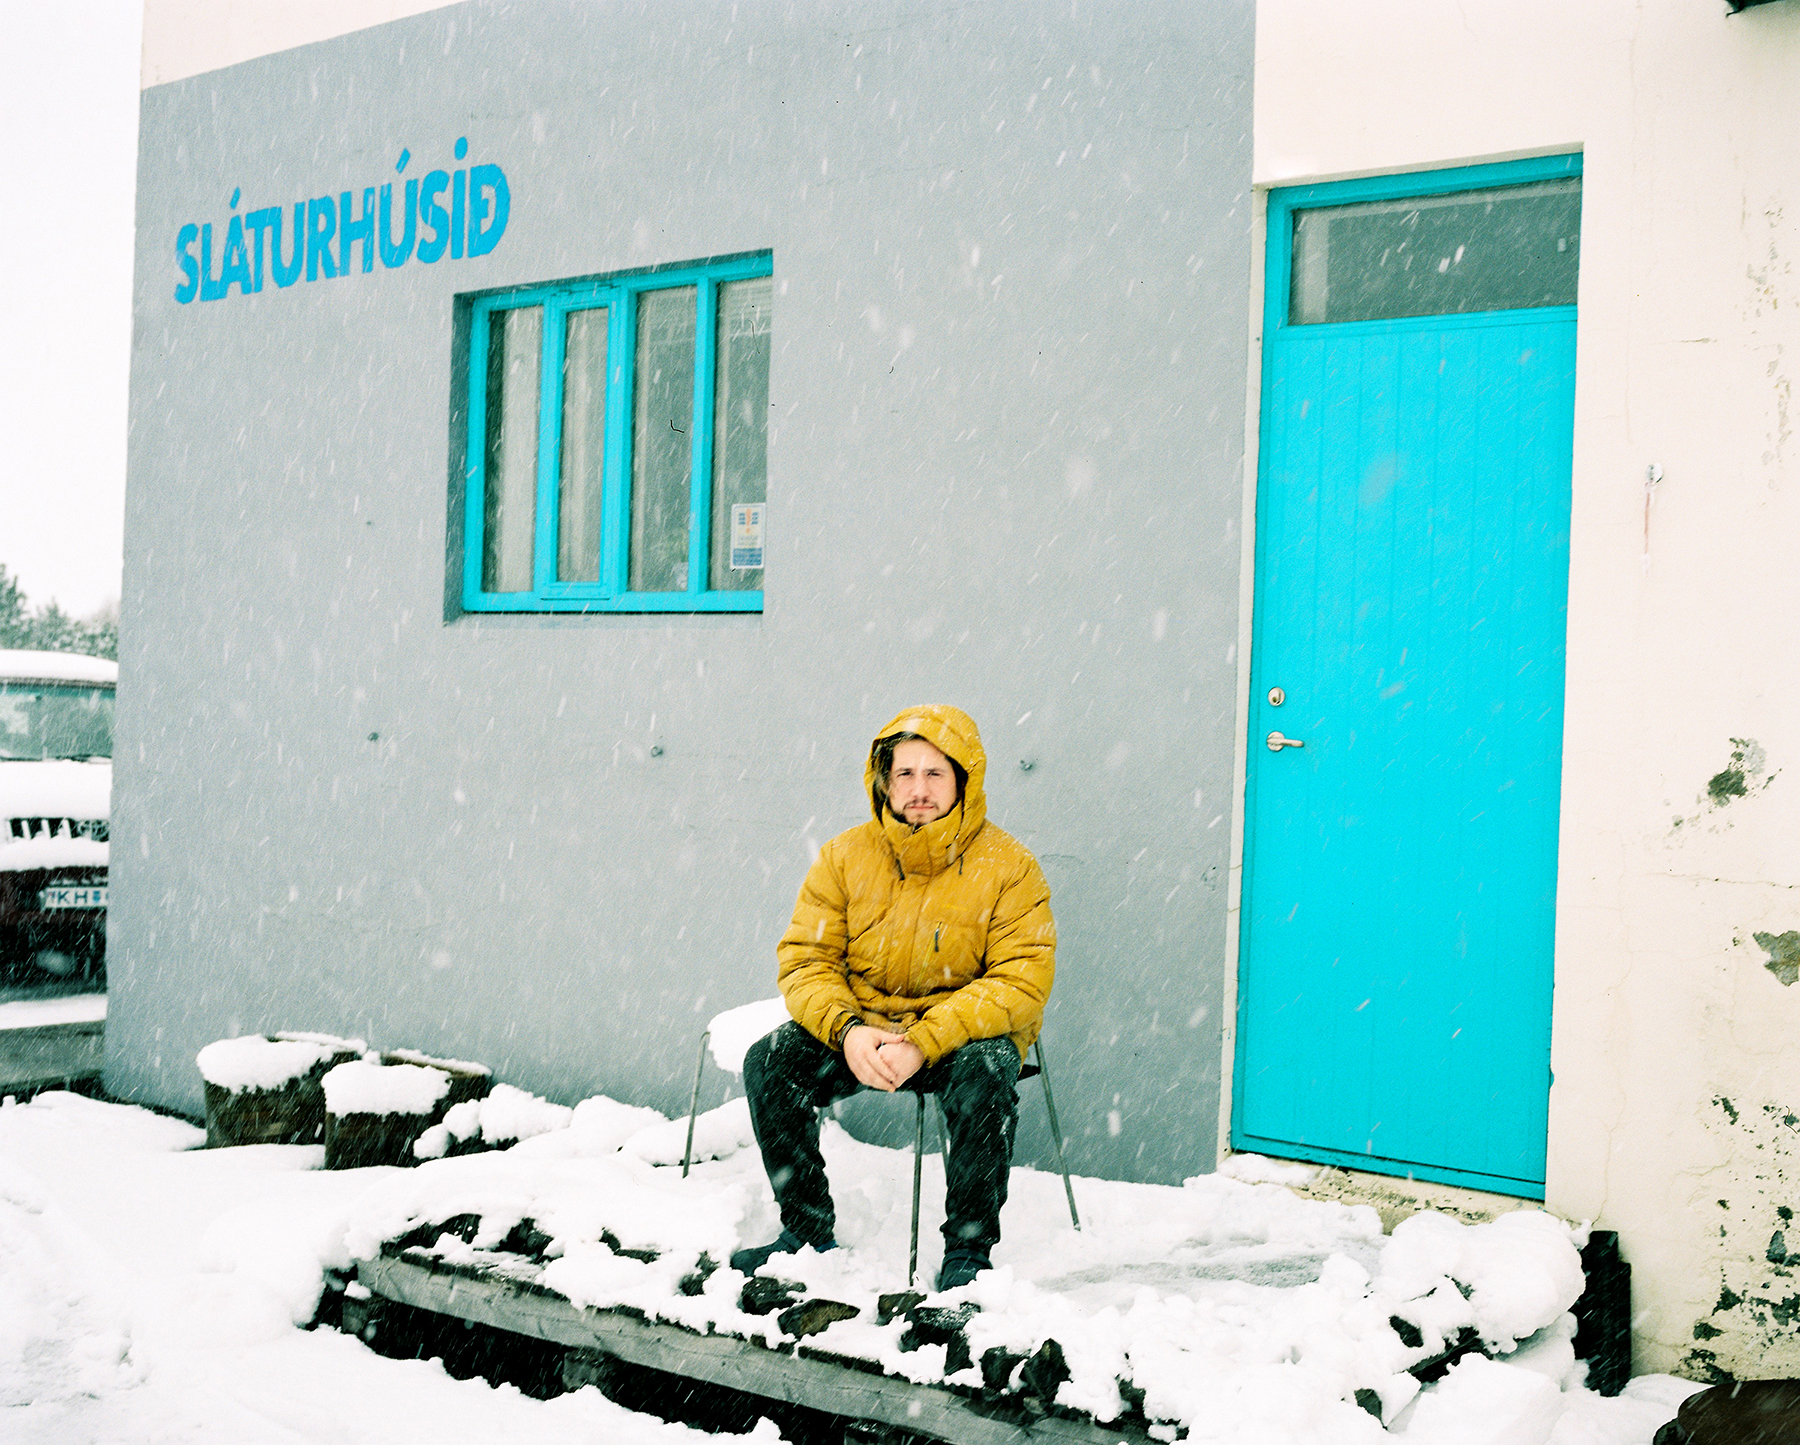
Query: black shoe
{"points": [[749, 1260], [960, 1266]]}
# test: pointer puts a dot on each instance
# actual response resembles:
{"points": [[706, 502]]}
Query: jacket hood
{"points": [[952, 732]]}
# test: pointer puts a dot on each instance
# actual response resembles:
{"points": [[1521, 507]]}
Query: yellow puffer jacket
{"points": [[941, 933]]}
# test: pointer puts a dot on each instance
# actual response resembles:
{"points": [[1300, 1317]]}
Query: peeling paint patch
{"points": [[1781, 387], [1771, 277], [1748, 763], [1784, 953], [1751, 1332], [1744, 775], [1723, 787]]}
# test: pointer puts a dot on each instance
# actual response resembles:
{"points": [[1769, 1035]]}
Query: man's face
{"points": [[922, 784]]}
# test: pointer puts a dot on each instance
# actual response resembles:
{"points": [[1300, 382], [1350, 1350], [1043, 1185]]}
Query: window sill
{"points": [[503, 622]]}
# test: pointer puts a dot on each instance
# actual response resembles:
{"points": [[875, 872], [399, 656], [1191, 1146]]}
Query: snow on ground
{"points": [[150, 1290]]}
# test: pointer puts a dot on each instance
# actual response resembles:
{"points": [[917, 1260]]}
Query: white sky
{"points": [[68, 169]]}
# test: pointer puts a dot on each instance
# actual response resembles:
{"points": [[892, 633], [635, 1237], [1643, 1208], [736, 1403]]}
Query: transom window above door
{"points": [[1498, 248], [617, 442]]}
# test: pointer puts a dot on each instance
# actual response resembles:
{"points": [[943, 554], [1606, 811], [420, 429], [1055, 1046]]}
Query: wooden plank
{"points": [[810, 1377]]}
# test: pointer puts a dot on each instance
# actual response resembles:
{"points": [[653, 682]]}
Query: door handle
{"points": [[1277, 742]]}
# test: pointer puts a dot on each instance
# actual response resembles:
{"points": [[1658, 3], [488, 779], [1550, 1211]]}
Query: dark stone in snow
{"points": [[813, 1316], [527, 1239], [1042, 1375], [1746, 1412], [1429, 1371], [426, 1233], [611, 1241], [1410, 1334], [891, 1307], [934, 1325], [997, 1366], [694, 1281], [763, 1294]]}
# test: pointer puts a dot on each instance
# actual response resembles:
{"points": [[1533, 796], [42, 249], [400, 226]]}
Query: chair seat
{"points": [[728, 1038], [730, 1034]]}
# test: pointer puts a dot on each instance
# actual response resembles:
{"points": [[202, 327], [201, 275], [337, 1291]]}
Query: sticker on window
{"points": [[746, 536]]}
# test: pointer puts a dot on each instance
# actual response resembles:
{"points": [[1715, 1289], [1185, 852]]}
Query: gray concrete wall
{"points": [[1011, 260]]}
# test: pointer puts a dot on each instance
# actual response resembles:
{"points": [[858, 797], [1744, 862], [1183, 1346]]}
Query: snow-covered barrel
{"points": [[265, 1088], [376, 1109]]}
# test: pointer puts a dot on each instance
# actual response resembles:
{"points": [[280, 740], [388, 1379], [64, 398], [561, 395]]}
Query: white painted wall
{"points": [[190, 37], [1689, 344]]}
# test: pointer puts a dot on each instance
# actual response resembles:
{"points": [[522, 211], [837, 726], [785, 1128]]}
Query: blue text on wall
{"points": [[454, 213]]}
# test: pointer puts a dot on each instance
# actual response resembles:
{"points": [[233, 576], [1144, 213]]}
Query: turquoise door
{"points": [[1409, 623]]}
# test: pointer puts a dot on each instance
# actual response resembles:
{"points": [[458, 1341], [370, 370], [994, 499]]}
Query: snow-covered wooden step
{"points": [[506, 1296]]}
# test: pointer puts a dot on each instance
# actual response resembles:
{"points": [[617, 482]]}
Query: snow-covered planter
{"points": [[265, 1088], [499, 1121], [376, 1109]]}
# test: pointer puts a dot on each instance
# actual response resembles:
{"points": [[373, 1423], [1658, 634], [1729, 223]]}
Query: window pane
{"points": [[740, 430], [1488, 250], [662, 440], [583, 447], [50, 720], [515, 344]]}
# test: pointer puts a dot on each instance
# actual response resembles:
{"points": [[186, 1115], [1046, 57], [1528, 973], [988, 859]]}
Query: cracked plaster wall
{"points": [[1678, 846]]}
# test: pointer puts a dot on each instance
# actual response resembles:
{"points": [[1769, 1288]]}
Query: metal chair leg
{"points": [[1056, 1130], [694, 1104], [912, 1260]]}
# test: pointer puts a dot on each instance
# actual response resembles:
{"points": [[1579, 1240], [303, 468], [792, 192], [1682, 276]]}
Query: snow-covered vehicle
{"points": [[56, 728]]}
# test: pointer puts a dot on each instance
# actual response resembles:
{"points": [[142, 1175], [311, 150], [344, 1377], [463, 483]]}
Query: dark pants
{"points": [[789, 1074]]}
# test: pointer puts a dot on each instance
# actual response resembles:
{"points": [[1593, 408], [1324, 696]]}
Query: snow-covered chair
{"points": [[728, 1038]]}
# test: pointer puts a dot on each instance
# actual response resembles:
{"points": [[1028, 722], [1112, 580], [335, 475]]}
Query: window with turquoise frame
{"points": [[618, 440]]}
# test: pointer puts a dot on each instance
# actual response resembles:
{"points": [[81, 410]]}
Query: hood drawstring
{"points": [[935, 933]]}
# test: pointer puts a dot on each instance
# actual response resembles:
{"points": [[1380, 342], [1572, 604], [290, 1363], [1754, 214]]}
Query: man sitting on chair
{"points": [[920, 956]]}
